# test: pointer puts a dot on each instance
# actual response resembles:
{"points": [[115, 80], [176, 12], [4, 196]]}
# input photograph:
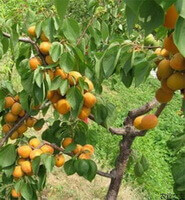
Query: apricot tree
{"points": [[62, 65]]}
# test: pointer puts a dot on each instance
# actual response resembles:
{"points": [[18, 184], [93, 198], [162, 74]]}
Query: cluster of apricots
{"points": [[26, 155], [59, 102], [171, 69], [82, 152], [14, 114]]}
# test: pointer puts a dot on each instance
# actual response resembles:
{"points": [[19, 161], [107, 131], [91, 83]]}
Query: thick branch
{"points": [[15, 127], [33, 43]]}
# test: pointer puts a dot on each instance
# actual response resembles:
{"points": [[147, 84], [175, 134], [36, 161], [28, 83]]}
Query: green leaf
{"points": [[2, 97], [180, 5], [100, 113], [5, 43], [144, 163], [131, 19], [56, 83], [179, 35], [134, 5], [24, 100], [48, 161], [70, 148], [38, 77], [61, 7], [64, 87], [56, 50], [82, 167], [42, 177], [27, 191], [36, 165], [71, 30], [104, 30], [92, 170], [148, 12], [69, 167], [8, 155], [138, 169], [49, 28], [141, 72], [75, 98], [67, 62], [40, 123]]}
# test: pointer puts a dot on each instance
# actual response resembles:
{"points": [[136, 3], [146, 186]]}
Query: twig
{"points": [[33, 43], [15, 127], [85, 30]]}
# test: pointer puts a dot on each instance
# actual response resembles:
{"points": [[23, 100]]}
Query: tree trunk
{"points": [[125, 150]]}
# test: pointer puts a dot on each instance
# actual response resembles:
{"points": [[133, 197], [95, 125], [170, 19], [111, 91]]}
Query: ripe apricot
{"points": [[9, 101], [149, 121], [162, 96], [90, 84], [49, 60], [30, 122], [169, 45], [176, 81], [16, 108], [35, 62], [47, 149], [165, 87], [18, 173], [61, 73], [50, 94], [146, 122], [78, 149], [20, 161], [22, 113], [22, 129], [89, 100], [45, 47], [164, 53], [85, 112], [73, 77], [63, 106], [43, 37], [171, 17], [84, 156], [24, 151], [88, 149], [6, 128], [177, 62], [66, 142], [164, 69], [26, 167], [10, 118], [35, 153], [56, 97], [137, 122], [31, 31], [14, 135], [59, 160], [34, 142], [15, 194]]}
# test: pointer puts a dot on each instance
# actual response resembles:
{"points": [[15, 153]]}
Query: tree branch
{"points": [[33, 43], [15, 127]]}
